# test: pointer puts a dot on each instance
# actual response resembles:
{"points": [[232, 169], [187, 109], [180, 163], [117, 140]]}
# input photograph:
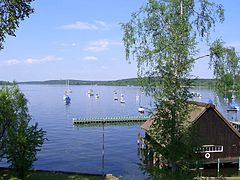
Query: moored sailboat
{"points": [[90, 92], [68, 90], [122, 100], [115, 96], [66, 97]]}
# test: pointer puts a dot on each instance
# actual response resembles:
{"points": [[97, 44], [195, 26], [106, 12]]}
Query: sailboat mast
{"points": [[140, 99], [68, 85]]}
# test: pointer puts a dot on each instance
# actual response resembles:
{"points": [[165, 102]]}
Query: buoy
{"points": [[207, 155]]}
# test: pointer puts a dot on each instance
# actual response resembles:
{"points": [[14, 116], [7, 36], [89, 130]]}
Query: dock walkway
{"points": [[117, 119]]}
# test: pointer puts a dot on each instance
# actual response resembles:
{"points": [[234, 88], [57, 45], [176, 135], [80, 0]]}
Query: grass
{"points": [[6, 174]]}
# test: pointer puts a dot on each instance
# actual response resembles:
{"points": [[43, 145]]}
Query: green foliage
{"points": [[49, 175], [175, 137], [226, 66], [204, 82], [11, 13], [121, 82], [10, 106], [4, 82], [22, 147], [162, 37], [20, 141]]}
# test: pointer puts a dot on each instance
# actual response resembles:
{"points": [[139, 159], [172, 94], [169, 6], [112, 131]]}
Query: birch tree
{"points": [[162, 36]]}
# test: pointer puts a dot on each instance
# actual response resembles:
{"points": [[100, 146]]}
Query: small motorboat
{"points": [[97, 96], [141, 109], [234, 106], [90, 92]]}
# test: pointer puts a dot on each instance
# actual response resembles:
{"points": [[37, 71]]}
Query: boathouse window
{"points": [[208, 149]]}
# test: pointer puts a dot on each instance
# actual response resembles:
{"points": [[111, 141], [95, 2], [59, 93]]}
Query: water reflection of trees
{"points": [[155, 169]]}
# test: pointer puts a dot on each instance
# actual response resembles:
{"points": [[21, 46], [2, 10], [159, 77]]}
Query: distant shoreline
{"points": [[121, 82]]}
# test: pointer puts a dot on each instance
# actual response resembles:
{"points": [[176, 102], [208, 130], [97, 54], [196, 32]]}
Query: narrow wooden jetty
{"points": [[117, 119]]}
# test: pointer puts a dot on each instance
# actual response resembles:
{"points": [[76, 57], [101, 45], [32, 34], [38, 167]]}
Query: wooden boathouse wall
{"points": [[213, 129]]}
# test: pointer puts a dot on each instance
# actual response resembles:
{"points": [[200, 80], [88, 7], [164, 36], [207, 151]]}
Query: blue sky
{"points": [[82, 39]]}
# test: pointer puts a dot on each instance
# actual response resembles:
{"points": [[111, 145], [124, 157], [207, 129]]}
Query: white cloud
{"points": [[79, 25], [101, 45], [46, 59], [73, 44], [103, 24], [10, 62], [96, 46], [90, 58], [42, 60]]}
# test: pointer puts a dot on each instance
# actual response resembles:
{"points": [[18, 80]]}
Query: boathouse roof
{"points": [[198, 109]]}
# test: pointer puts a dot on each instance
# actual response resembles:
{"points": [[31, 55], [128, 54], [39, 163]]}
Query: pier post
{"points": [[238, 163], [139, 152], [218, 166], [143, 143], [139, 138], [103, 151]]}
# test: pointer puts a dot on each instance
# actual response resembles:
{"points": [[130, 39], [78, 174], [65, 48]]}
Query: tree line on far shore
{"points": [[121, 82]]}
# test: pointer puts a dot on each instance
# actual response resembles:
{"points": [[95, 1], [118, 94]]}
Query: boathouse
{"points": [[219, 139]]}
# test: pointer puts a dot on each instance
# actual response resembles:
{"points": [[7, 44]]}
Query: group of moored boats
{"points": [[115, 97], [67, 99], [90, 93], [122, 100], [233, 105]]}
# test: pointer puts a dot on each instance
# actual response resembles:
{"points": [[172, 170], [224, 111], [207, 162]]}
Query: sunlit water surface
{"points": [[83, 149]]}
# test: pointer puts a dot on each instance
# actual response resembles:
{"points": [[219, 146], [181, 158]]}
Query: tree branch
{"points": [[200, 57]]}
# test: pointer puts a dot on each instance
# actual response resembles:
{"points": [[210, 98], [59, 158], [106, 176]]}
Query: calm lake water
{"points": [[80, 149]]}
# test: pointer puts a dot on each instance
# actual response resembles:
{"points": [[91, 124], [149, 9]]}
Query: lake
{"points": [[79, 148]]}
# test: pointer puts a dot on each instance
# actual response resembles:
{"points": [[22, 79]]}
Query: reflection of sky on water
{"points": [[80, 148]]}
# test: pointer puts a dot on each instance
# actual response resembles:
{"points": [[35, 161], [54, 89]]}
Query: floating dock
{"points": [[117, 119]]}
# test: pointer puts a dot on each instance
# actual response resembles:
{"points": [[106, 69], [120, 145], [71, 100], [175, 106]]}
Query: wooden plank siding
{"points": [[213, 130]]}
